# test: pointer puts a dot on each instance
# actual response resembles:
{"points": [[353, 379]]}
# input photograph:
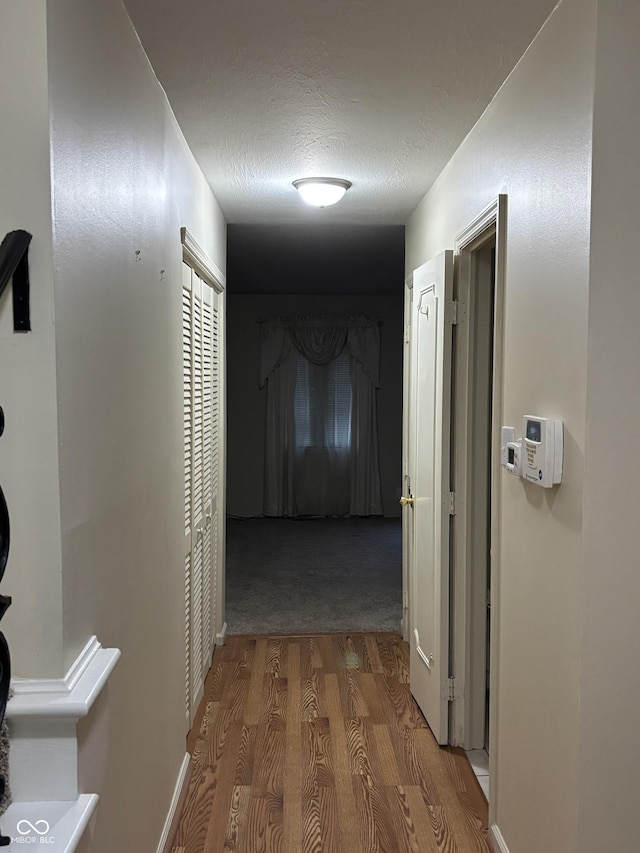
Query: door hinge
{"points": [[453, 695], [405, 600], [451, 313], [407, 334], [450, 503]]}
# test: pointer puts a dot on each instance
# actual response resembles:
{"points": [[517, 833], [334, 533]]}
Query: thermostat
{"points": [[542, 451], [511, 451]]}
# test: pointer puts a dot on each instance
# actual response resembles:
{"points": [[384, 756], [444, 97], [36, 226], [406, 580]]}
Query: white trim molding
{"points": [[496, 841], [59, 824], [175, 802], [43, 716], [221, 635], [71, 696], [480, 224], [198, 260]]}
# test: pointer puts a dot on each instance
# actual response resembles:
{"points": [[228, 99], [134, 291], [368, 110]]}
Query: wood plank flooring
{"points": [[314, 745]]}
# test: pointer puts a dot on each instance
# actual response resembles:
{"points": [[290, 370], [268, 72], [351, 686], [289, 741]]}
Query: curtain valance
{"points": [[320, 340], [320, 476]]}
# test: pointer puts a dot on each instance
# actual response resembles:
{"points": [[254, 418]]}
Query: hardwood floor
{"points": [[315, 745]]}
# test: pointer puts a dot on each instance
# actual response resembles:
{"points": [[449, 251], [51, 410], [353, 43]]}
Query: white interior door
{"points": [[407, 465], [430, 400]]}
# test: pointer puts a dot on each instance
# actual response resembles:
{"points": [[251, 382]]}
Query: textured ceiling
{"points": [[380, 92]]}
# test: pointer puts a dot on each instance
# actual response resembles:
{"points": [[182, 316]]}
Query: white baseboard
{"points": [[175, 800], [404, 627], [496, 841], [221, 635]]}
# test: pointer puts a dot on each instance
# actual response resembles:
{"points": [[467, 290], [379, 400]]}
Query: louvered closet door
{"points": [[187, 367], [215, 521], [201, 395], [210, 441]]}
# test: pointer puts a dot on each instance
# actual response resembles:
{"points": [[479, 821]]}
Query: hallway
{"points": [[313, 743], [112, 516]]}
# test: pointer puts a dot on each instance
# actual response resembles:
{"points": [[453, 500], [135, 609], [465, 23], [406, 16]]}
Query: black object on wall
{"points": [[14, 264], [5, 601]]}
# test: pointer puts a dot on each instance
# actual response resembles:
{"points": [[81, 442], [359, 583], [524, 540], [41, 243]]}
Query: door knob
{"points": [[406, 501]]}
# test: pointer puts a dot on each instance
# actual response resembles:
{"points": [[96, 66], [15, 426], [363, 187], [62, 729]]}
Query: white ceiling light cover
{"points": [[321, 192]]}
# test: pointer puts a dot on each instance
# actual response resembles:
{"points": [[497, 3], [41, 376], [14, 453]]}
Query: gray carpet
{"points": [[313, 575]]}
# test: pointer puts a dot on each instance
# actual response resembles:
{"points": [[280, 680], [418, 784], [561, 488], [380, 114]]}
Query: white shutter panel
{"points": [[215, 453], [187, 384], [187, 632], [198, 414], [188, 405], [197, 515], [207, 568], [197, 679], [208, 443], [215, 404]]}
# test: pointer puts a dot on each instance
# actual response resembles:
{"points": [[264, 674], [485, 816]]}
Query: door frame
{"points": [[490, 222]]}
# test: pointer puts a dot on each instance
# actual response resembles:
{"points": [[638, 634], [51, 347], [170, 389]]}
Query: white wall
{"points": [[247, 403], [610, 698], [534, 144], [29, 447], [123, 182]]}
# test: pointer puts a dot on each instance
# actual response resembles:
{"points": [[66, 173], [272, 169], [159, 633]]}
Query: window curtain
{"points": [[332, 477]]}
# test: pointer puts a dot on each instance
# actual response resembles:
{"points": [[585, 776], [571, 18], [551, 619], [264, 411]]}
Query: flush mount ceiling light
{"points": [[321, 192]]}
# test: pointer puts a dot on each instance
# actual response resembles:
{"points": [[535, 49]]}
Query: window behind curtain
{"points": [[322, 403]]}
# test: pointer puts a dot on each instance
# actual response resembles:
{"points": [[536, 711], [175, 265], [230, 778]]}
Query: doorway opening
{"points": [[479, 417], [305, 554], [454, 310], [475, 471]]}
